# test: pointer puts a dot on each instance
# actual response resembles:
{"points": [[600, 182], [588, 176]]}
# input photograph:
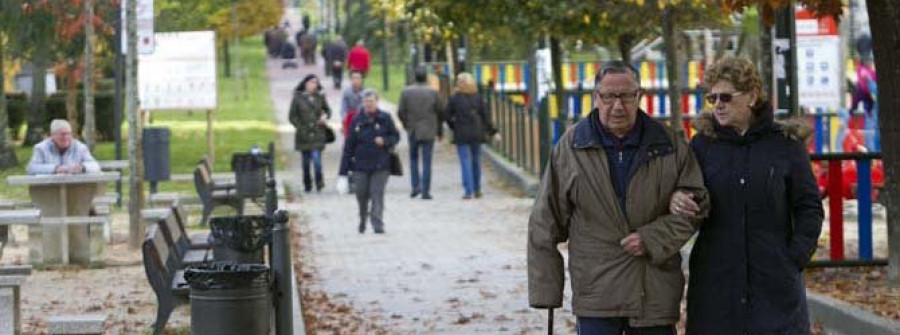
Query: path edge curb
{"points": [[838, 317], [511, 174]]}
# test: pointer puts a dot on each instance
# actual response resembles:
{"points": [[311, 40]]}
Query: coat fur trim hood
{"points": [[795, 128]]}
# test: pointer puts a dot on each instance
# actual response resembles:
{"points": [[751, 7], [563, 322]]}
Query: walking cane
{"points": [[550, 321]]}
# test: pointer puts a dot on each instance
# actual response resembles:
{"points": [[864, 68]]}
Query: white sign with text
{"points": [[180, 74]]}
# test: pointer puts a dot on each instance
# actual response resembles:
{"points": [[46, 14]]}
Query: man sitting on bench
{"points": [[61, 154]]}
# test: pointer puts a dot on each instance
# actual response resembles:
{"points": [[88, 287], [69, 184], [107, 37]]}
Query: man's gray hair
{"points": [[370, 93], [59, 124], [616, 66]]}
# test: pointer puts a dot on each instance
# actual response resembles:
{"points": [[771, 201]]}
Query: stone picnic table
{"points": [[62, 196]]}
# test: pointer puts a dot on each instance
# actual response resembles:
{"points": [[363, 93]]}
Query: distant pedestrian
{"points": [[308, 48], [420, 112], [308, 114], [288, 56], [351, 101], [358, 59], [274, 39], [337, 54], [326, 53], [468, 117], [367, 152], [865, 79]]}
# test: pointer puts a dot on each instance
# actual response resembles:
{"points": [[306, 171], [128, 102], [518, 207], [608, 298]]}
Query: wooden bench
{"points": [[213, 195], [165, 274], [198, 240], [177, 241]]}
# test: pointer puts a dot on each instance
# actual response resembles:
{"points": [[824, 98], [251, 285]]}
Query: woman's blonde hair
{"points": [[465, 83], [740, 72]]}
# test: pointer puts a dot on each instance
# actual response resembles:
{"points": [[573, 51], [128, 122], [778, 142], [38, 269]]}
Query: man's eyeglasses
{"points": [[723, 97], [610, 98]]}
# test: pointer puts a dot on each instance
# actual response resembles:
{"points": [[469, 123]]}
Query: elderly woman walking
{"points": [[766, 215], [309, 113], [367, 151]]}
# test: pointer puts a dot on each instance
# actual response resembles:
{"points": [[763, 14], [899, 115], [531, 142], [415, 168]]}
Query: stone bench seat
{"points": [[77, 324], [20, 217]]}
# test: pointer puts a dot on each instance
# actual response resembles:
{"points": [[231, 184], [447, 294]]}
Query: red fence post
{"points": [[836, 209]]}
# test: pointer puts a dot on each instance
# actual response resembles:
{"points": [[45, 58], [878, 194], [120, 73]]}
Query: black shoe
{"points": [[414, 193], [426, 197], [320, 186], [362, 227], [478, 195], [379, 231]]}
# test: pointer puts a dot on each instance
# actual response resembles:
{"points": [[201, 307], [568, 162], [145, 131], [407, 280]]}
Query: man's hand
{"points": [[61, 169], [633, 245], [683, 203], [76, 168], [379, 141]]}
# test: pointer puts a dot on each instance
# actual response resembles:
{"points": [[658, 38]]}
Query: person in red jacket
{"points": [[358, 59]]}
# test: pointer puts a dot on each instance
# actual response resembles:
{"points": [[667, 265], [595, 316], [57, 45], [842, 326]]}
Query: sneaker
{"points": [[467, 197], [426, 197], [478, 195], [414, 193]]}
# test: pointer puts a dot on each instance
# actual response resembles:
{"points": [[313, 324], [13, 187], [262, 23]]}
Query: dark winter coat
{"points": [[576, 203], [337, 51], [360, 152], [469, 119], [306, 110], [746, 267]]}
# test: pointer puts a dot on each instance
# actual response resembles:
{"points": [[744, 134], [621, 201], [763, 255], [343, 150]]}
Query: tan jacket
{"points": [[577, 204]]}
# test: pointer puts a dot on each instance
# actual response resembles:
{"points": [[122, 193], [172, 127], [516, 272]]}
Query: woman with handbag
{"points": [[471, 125], [309, 113], [368, 152]]}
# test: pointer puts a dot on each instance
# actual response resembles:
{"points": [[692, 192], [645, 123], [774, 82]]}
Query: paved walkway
{"points": [[445, 266]]}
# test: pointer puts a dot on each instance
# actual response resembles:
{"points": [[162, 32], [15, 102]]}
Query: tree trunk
{"points": [[559, 90], [884, 20], [72, 98], [135, 159], [36, 122], [625, 42], [88, 87], [765, 58], [227, 57], [672, 72], [7, 154]]}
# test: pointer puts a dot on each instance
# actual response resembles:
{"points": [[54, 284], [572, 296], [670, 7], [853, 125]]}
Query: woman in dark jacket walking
{"points": [[309, 114], [471, 125], [746, 267], [373, 136]]}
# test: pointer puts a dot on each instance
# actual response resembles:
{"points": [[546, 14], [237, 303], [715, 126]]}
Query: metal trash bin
{"points": [[250, 174], [240, 238], [230, 298], [157, 156]]}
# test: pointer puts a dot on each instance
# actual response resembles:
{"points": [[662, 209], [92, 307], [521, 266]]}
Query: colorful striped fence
{"points": [[864, 186], [515, 75]]}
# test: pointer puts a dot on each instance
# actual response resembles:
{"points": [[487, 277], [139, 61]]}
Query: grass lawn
{"points": [[245, 117], [396, 80]]}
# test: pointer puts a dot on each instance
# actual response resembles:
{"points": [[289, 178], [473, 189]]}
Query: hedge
{"points": [[18, 106]]}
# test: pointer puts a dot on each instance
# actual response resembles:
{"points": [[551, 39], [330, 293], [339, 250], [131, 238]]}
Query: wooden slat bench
{"points": [[177, 240], [211, 194], [165, 274]]}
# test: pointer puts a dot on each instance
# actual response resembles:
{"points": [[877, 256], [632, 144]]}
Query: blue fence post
{"points": [[526, 77], [864, 210], [501, 82], [820, 138]]}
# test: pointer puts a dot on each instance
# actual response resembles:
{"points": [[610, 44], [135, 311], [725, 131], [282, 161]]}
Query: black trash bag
{"points": [[225, 275]]}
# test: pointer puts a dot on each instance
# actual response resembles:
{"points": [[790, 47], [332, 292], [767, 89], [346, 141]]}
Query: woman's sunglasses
{"points": [[723, 97]]}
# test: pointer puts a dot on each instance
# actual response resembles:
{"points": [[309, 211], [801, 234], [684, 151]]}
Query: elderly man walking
{"points": [[61, 153], [420, 113], [606, 192]]}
